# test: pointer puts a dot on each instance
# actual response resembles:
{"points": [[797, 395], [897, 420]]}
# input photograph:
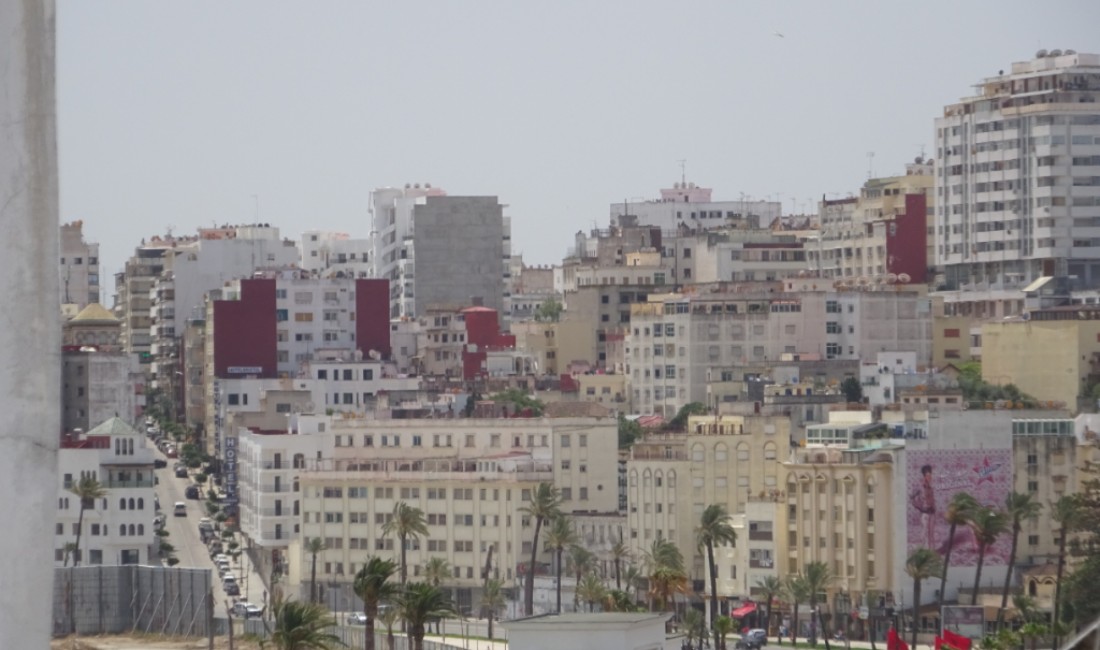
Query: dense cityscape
{"points": [[873, 421]]}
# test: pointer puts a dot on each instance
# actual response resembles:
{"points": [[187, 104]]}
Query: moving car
{"points": [[159, 463], [754, 639], [192, 492], [231, 589], [180, 509], [358, 618], [181, 472], [245, 609]]}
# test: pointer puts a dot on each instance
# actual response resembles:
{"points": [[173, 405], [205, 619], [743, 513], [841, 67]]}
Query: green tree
{"points": [[521, 400], [959, 512], [590, 590], [549, 311], [492, 601], [559, 536], [667, 578], [1018, 507], [1067, 511], [723, 625], [420, 603], [436, 570], [620, 552], [799, 592], [617, 600], [302, 626], [372, 585], [631, 577], [406, 522], [922, 564], [581, 561], [693, 626], [629, 432], [852, 389], [87, 490], [818, 579], [545, 504], [313, 547], [679, 422], [389, 618], [987, 525], [714, 529], [769, 588]]}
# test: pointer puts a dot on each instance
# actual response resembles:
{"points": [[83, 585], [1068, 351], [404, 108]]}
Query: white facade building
{"points": [[1018, 176], [79, 267], [118, 529], [685, 205], [335, 253]]}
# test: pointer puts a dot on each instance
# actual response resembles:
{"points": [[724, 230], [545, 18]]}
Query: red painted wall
{"points": [[483, 331], [244, 331], [906, 240], [372, 316]]}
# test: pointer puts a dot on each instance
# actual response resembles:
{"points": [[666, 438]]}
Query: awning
{"points": [[743, 611]]}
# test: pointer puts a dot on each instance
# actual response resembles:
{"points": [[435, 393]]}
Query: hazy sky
{"points": [[178, 113]]}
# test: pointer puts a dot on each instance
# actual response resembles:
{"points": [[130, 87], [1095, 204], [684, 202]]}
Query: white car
{"points": [[245, 609], [358, 618]]}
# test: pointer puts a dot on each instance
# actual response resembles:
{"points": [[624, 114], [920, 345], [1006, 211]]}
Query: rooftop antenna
{"points": [[683, 172], [870, 165], [921, 150]]}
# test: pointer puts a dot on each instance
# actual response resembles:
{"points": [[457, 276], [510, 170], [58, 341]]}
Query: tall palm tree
{"points": [[818, 579], [619, 552], [987, 524], [313, 547], [1067, 512], [693, 626], [421, 603], [372, 585], [714, 529], [723, 625], [70, 549], [922, 564], [87, 489], [303, 626], [545, 504], [582, 561], [631, 577], [959, 511], [436, 570], [1018, 507], [389, 619], [590, 590], [666, 574], [769, 588], [492, 601], [559, 536], [406, 522], [799, 592]]}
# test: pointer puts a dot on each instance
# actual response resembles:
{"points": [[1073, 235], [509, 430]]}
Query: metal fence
{"points": [[351, 635], [117, 599]]}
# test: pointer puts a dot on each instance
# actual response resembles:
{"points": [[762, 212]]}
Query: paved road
{"points": [[190, 551]]}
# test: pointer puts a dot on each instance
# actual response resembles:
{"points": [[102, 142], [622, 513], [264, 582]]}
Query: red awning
{"points": [[744, 611]]}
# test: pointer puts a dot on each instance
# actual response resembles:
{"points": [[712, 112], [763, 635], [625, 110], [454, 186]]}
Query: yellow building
{"points": [[555, 345], [951, 342], [730, 460], [1054, 355]]}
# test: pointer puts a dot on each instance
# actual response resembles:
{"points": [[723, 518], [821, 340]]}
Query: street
{"points": [[190, 551]]}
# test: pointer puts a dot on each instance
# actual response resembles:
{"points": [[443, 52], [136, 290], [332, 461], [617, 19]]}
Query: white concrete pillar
{"points": [[30, 328]]}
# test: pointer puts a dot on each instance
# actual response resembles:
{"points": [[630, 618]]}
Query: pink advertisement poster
{"points": [[934, 476]]}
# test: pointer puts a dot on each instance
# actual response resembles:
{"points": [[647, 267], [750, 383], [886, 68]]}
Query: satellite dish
{"points": [[891, 278], [904, 278]]}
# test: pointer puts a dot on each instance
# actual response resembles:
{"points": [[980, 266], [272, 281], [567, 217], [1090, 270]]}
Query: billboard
{"points": [[933, 478]]}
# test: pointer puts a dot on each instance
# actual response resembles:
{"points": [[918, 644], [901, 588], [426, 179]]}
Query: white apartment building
{"points": [[1018, 176], [471, 478], [79, 268], [335, 253], [687, 205], [679, 343], [118, 529]]}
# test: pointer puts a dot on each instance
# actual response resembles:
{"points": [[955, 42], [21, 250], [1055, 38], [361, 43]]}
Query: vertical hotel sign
{"points": [[231, 475]]}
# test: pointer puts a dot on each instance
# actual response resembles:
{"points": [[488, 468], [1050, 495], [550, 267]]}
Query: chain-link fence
{"points": [[117, 599], [352, 636]]}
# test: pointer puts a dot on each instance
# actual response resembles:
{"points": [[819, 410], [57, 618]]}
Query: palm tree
{"points": [[492, 601], [631, 577], [559, 536], [723, 625], [544, 506], [693, 626], [959, 511], [799, 591], [769, 588], [1018, 506], [1067, 512], [665, 565], [714, 528], [406, 522], [87, 489], [70, 549], [436, 570], [590, 590], [303, 626], [987, 524], [617, 600], [313, 547], [389, 618], [581, 560], [923, 564], [372, 585], [421, 603], [818, 579], [619, 552]]}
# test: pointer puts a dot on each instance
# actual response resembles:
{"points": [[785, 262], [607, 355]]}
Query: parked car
{"points": [[159, 463], [245, 609], [192, 492], [754, 639], [181, 472], [232, 589], [358, 618], [158, 521], [180, 509]]}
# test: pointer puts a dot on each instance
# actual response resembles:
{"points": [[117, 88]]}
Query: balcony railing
{"points": [[762, 563], [760, 535], [131, 483]]}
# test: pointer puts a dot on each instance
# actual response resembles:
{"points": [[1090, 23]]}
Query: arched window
{"points": [[633, 478], [721, 452], [141, 503], [122, 530], [122, 504], [299, 461], [295, 508], [743, 452], [671, 480], [658, 478], [1032, 588], [141, 529], [295, 484], [132, 530], [647, 479], [697, 453], [131, 504], [769, 451]]}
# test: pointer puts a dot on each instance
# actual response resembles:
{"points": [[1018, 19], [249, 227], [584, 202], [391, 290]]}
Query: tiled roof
{"points": [[115, 426], [95, 313]]}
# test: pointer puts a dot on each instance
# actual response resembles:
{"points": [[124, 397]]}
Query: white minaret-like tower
{"points": [[30, 328]]}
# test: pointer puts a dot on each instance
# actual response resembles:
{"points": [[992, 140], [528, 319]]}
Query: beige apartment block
{"points": [[471, 478], [555, 345], [1044, 458], [730, 460]]}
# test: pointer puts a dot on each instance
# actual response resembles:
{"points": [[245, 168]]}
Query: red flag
{"points": [[892, 639], [956, 641], [939, 643]]}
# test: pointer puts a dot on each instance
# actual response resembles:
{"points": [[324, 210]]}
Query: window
{"points": [[565, 440]]}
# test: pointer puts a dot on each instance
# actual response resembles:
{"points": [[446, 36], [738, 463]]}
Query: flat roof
{"points": [[578, 618]]}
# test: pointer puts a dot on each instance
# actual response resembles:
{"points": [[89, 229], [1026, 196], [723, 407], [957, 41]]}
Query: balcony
{"points": [[760, 535], [761, 563], [128, 483]]}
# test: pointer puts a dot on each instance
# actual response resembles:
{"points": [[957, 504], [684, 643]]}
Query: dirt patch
{"points": [[147, 642]]}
